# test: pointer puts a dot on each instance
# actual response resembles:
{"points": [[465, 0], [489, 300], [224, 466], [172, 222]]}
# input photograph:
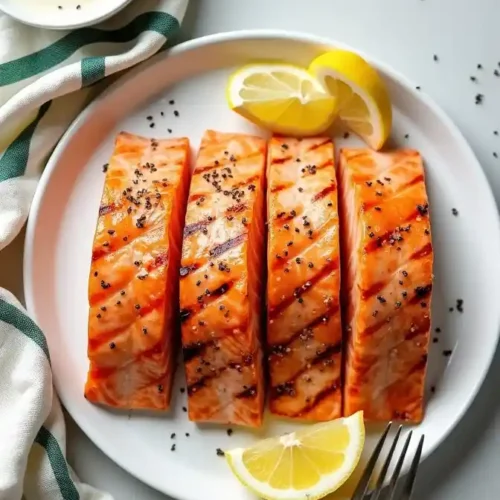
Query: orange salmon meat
{"points": [[304, 333], [387, 258], [221, 281], [133, 285]]}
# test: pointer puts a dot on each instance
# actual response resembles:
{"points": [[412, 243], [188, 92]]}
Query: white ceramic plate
{"points": [[62, 14], [62, 223]]}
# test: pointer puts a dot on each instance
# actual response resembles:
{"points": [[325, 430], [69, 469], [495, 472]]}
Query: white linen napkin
{"points": [[46, 78]]}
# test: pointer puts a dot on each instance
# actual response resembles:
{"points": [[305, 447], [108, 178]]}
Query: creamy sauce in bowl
{"points": [[61, 14]]}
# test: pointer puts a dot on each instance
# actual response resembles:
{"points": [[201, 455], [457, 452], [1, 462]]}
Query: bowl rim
{"points": [[23, 15]]}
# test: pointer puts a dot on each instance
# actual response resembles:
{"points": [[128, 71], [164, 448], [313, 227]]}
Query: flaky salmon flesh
{"points": [[342, 324], [221, 281], [133, 284], [387, 275], [304, 334]]}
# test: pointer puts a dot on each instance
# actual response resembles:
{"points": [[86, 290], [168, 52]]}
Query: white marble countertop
{"points": [[405, 34]]}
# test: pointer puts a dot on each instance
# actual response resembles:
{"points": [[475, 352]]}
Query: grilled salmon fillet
{"points": [[133, 285], [387, 252], [221, 281], [304, 325]]}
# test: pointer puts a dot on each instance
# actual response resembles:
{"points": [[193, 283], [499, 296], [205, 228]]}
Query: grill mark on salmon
{"points": [[318, 145], [305, 331], [119, 244], [285, 388], [219, 250], [235, 209], [303, 288], [205, 298], [197, 349], [313, 169], [420, 292], [206, 168], [421, 253], [131, 327], [304, 328], [104, 373], [421, 365], [221, 331], [373, 290], [280, 161], [107, 209], [292, 253], [160, 260], [109, 335], [107, 289], [281, 187], [392, 236], [196, 226], [388, 312], [196, 197], [196, 386], [251, 392], [416, 331], [416, 180], [221, 164], [246, 182], [216, 373], [327, 190], [373, 328], [319, 398]]}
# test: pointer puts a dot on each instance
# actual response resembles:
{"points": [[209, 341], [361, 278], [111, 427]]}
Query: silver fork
{"points": [[406, 493]]}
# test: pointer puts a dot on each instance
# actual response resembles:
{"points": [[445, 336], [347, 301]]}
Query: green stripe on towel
{"points": [[58, 463], [13, 316], [56, 53], [13, 162], [93, 70]]}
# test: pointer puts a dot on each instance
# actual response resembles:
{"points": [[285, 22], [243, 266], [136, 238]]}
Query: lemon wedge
{"points": [[309, 463], [282, 98], [362, 99]]}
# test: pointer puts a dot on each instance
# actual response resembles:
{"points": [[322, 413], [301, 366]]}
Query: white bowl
{"points": [[61, 14]]}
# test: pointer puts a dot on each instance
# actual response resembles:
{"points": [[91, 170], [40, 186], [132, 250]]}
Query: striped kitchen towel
{"points": [[46, 77]]}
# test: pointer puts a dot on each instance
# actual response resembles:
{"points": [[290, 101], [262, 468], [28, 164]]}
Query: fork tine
{"points": [[385, 467], [412, 474], [365, 478], [399, 465]]}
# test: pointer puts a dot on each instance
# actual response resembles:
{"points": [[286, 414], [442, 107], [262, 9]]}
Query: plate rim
{"points": [[214, 39]]}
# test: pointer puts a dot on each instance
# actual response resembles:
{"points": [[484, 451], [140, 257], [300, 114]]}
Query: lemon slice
{"points": [[362, 99], [309, 463], [282, 98]]}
